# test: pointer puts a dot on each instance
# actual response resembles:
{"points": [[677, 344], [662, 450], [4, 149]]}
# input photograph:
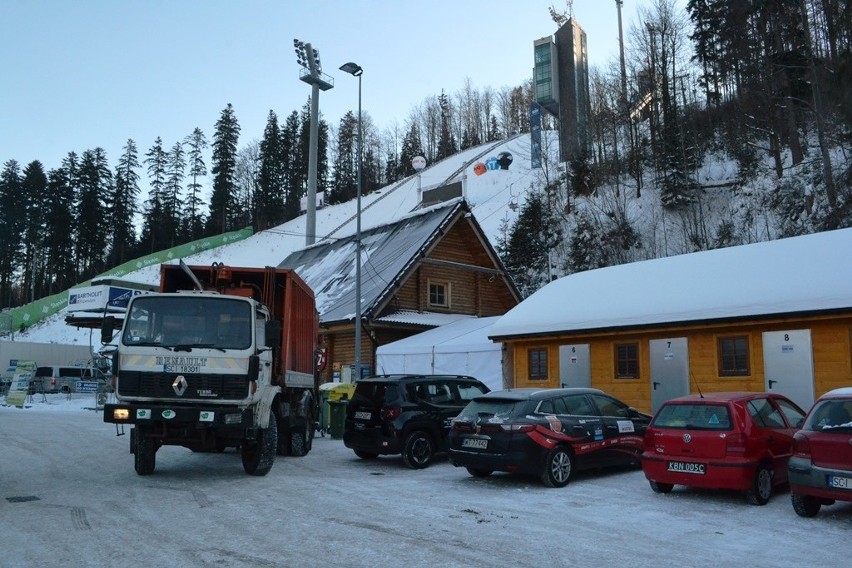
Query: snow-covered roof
{"points": [[386, 251], [810, 273], [421, 319], [467, 334]]}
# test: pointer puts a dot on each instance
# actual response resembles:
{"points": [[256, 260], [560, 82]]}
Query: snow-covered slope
{"points": [[495, 197]]}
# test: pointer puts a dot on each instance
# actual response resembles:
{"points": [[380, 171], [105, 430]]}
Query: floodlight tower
{"points": [[308, 58]]}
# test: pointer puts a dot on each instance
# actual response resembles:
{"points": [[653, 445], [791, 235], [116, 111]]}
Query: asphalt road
{"points": [[69, 496]]}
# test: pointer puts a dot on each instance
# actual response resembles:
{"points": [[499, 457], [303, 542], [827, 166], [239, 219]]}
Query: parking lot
{"points": [[70, 495]]}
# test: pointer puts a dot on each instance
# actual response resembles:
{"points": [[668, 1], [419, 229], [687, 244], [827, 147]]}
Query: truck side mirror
{"points": [[107, 329], [273, 333], [253, 368]]}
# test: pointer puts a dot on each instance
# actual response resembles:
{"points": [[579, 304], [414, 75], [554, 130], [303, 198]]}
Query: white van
{"points": [[56, 378]]}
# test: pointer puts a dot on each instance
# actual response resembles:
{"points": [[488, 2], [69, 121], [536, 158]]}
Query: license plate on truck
{"points": [[476, 443], [687, 467], [839, 482], [363, 415]]}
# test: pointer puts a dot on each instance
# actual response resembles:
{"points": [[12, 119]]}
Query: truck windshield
{"points": [[183, 323]]}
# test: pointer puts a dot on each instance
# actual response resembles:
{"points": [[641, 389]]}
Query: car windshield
{"points": [[491, 408], [190, 321], [831, 415], [693, 417]]}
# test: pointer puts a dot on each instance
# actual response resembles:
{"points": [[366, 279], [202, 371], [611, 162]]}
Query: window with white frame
{"points": [[439, 294]]}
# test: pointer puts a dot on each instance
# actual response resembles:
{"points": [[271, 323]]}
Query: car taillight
{"points": [[648, 441], [801, 446], [460, 426], [736, 443], [517, 427], [390, 412]]}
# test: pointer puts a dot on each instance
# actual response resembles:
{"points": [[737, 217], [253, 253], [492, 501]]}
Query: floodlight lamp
{"points": [[352, 69]]}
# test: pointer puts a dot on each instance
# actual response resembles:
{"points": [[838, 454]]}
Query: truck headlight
{"points": [[120, 413]]}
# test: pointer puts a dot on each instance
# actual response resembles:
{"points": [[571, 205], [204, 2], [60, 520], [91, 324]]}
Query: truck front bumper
{"points": [[218, 417]]}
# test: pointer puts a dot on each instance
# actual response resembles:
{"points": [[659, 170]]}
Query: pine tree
{"points": [[291, 157], [268, 201], [344, 186], [528, 251], [95, 188], [410, 148], [124, 205], [173, 204], [223, 200], [193, 226], [447, 142], [494, 130], [11, 222], [154, 217], [33, 196], [60, 218], [584, 248]]}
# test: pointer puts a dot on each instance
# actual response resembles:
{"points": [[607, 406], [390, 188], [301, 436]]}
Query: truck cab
{"points": [[218, 366]]}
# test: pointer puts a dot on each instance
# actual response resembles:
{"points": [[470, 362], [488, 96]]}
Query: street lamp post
{"points": [[356, 70], [308, 58]]}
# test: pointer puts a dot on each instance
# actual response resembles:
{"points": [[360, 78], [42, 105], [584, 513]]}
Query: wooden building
{"points": [[773, 316], [425, 270]]}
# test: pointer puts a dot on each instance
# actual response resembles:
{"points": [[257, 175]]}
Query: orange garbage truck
{"points": [[220, 357]]}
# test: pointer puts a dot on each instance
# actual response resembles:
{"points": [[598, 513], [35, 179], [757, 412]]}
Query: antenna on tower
{"points": [[562, 17]]}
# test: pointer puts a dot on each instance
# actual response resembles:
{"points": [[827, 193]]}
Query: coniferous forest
{"points": [[760, 84]]}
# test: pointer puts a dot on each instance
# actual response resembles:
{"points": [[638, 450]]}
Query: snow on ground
{"points": [[69, 496]]}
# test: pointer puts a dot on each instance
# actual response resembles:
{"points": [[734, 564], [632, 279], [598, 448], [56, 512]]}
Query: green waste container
{"points": [[330, 392], [337, 417]]}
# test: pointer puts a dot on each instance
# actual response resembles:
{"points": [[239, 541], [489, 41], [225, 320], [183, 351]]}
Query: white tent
{"points": [[458, 348]]}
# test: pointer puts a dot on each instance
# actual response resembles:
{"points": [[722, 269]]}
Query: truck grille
{"points": [[159, 385]]}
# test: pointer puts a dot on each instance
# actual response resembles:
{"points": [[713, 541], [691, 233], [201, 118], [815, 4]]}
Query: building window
{"points": [[439, 294], [733, 356], [627, 361], [538, 364]]}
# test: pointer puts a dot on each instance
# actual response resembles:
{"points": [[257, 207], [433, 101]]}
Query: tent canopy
{"points": [[458, 348]]}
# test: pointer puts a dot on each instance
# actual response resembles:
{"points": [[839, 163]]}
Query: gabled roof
{"points": [[797, 275], [388, 253]]}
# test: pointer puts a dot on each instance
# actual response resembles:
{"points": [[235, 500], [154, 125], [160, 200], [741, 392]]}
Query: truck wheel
{"points": [[144, 453], [418, 450], [283, 442], [301, 438], [259, 454]]}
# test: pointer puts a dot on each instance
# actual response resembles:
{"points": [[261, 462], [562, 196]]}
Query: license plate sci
{"points": [[687, 467], [362, 415], [839, 482], [477, 443]]}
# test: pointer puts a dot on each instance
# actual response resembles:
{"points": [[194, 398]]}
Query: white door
{"points": [[788, 364], [669, 369], [575, 369]]}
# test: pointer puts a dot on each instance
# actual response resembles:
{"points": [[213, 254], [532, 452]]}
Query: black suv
{"points": [[406, 414]]}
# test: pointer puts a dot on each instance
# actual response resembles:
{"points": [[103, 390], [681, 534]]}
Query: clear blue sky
{"points": [[87, 73]]}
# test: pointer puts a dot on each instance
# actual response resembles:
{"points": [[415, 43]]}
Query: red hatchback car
{"points": [[736, 440], [821, 465]]}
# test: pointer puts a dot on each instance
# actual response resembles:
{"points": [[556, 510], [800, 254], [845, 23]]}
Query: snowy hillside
{"points": [[495, 197]]}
